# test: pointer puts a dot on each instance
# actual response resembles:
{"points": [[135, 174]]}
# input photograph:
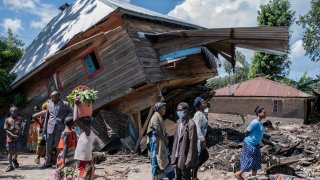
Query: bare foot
{"points": [[238, 176]]}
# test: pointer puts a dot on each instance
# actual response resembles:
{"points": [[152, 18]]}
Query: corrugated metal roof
{"points": [[77, 18], [260, 87]]}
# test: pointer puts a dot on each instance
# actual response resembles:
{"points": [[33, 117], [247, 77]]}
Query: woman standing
{"points": [[251, 155], [41, 145], [158, 145], [201, 122], [33, 132]]}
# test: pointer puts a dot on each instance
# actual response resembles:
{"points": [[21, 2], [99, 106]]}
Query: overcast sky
{"points": [[28, 17]]}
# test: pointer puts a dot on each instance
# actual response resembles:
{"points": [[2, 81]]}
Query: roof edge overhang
{"points": [[170, 21]]}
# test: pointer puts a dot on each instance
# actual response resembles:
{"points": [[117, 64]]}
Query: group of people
{"points": [[189, 150], [189, 146], [56, 123], [56, 135]]}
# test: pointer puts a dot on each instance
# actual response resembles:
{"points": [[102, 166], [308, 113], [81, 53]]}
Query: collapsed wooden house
{"points": [[133, 56]]}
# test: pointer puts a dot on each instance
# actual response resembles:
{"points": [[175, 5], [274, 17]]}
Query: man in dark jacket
{"points": [[57, 111], [184, 150]]}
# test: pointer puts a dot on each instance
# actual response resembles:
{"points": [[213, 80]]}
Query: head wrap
{"points": [[158, 106], [258, 110], [197, 102]]}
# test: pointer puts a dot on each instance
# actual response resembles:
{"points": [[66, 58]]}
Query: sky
{"points": [[28, 17]]}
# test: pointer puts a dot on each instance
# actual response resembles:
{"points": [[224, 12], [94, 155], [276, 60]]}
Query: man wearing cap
{"points": [[57, 111]]}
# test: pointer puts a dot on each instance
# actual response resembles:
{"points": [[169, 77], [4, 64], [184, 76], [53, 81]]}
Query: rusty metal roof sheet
{"points": [[260, 87]]}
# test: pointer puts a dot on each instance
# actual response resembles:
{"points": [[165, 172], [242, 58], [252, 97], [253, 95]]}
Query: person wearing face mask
{"points": [[184, 150]]}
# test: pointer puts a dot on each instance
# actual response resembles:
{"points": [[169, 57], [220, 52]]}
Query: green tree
{"points": [[305, 83], [11, 50], [311, 36], [274, 13], [240, 73]]}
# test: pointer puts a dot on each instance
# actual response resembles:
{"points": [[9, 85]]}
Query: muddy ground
{"points": [[137, 167]]}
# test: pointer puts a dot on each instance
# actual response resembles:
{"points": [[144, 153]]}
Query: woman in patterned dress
{"points": [[41, 145], [33, 132], [251, 154]]}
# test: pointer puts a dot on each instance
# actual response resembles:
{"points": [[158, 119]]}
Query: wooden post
{"points": [[139, 121], [141, 132]]}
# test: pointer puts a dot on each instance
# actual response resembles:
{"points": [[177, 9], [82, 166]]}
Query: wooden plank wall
{"points": [[144, 48], [122, 70], [193, 66]]}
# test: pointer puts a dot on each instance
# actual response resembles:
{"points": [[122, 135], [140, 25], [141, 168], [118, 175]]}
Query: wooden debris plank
{"points": [[141, 132]]}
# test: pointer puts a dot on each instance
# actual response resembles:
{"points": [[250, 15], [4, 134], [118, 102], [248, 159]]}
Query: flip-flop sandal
{"points": [[37, 160], [9, 168], [15, 163], [236, 176]]}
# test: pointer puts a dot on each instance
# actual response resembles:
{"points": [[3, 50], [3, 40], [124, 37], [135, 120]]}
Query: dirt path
{"points": [[28, 170], [132, 171]]}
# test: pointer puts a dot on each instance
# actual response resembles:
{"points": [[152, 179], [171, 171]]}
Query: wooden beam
{"points": [[274, 39], [180, 53], [141, 132], [183, 43]]}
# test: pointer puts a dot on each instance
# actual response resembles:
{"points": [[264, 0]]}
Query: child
{"points": [[12, 126], [67, 145], [83, 153]]}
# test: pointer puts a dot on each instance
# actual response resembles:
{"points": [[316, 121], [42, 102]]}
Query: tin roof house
{"points": [[279, 100]]}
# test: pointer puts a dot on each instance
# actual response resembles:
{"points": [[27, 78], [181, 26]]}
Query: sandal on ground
{"points": [[9, 168], [37, 160], [15, 163]]}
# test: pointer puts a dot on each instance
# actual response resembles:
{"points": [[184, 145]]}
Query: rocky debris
{"points": [[120, 159], [286, 149]]}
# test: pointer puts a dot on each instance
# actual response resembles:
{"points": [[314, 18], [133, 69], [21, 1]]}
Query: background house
{"points": [[279, 100]]}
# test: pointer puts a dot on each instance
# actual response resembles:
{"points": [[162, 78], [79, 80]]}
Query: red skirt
{"points": [[84, 171]]}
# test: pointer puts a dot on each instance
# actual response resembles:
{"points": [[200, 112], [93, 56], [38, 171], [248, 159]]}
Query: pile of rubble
{"points": [[286, 149]]}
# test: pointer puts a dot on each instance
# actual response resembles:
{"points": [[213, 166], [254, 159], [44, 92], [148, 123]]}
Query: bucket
{"points": [[85, 110]]}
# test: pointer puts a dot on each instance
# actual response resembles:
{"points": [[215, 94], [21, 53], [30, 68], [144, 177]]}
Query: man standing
{"points": [[57, 111], [184, 151]]}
